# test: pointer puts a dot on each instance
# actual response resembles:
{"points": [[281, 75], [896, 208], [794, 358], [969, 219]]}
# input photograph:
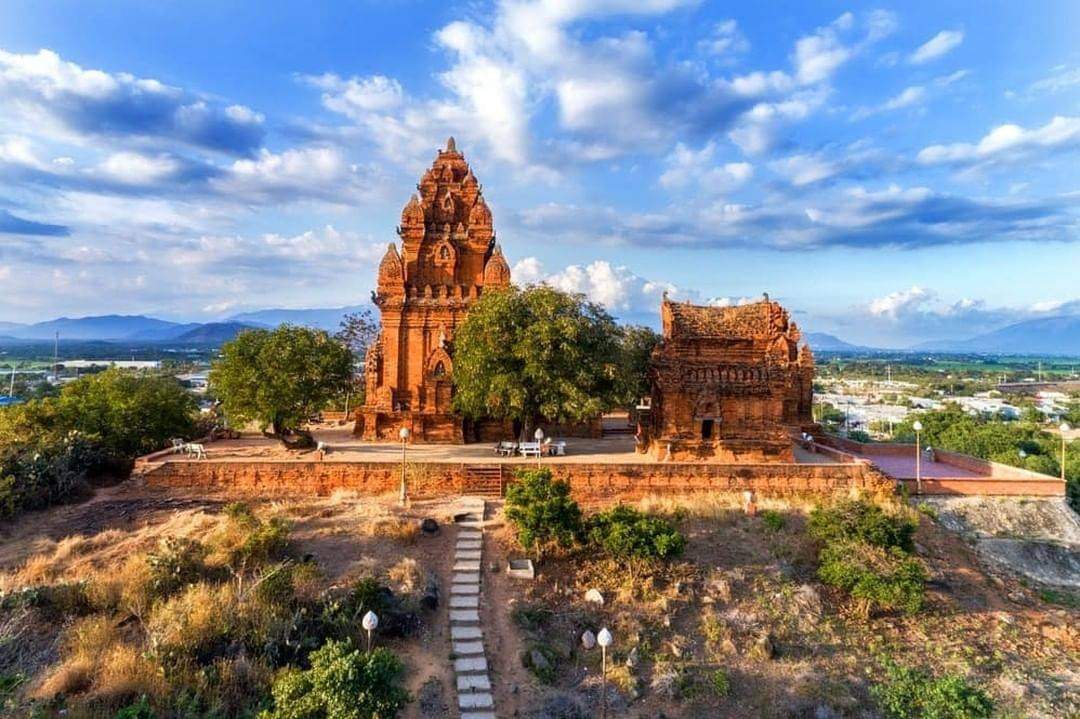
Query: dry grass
{"points": [[401, 530], [196, 618], [723, 506], [406, 574]]}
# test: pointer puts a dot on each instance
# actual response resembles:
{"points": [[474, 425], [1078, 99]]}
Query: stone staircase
{"points": [[482, 480], [475, 699]]}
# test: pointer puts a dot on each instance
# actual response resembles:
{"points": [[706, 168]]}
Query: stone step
{"points": [[473, 682], [464, 616], [470, 534], [470, 664], [477, 715], [467, 554], [459, 632], [466, 648], [479, 700], [464, 601], [469, 565], [467, 578], [469, 544], [465, 589], [471, 523]]}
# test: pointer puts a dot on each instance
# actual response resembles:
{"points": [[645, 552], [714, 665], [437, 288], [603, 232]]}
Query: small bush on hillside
{"points": [[542, 511], [773, 520], [246, 543], [177, 563], [625, 533], [193, 625], [720, 683], [876, 577], [342, 683], [861, 521], [909, 693]]}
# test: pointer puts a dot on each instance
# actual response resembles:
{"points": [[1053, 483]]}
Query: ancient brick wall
{"points": [[589, 482]]}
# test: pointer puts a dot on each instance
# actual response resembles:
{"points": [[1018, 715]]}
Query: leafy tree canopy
{"points": [[280, 377], [536, 353], [342, 683], [636, 344], [542, 511]]}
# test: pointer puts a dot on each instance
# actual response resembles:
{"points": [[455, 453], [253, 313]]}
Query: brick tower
{"points": [[448, 258]]}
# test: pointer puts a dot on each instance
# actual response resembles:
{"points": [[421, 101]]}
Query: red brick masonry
{"points": [[588, 482]]}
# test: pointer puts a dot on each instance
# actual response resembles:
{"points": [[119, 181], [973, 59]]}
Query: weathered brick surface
{"points": [[589, 482]]}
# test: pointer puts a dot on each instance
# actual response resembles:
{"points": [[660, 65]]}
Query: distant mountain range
{"points": [[1048, 335]]}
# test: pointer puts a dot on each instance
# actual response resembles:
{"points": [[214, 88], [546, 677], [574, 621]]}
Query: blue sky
{"points": [[893, 173]]}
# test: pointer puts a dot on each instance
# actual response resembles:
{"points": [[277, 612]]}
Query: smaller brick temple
{"points": [[448, 258], [729, 384]]}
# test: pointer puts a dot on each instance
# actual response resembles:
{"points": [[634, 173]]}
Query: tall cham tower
{"points": [[448, 258]]}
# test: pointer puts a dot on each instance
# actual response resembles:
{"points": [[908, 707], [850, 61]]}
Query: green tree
{"points": [[279, 378], [542, 511], [625, 533], [342, 683], [636, 344], [536, 353]]}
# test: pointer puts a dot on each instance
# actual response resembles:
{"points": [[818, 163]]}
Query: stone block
{"points": [[470, 664]]}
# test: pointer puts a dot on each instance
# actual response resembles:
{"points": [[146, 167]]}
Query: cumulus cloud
{"points": [[726, 41], [1008, 143], [699, 168], [804, 169], [43, 89], [939, 45], [302, 173], [621, 291]]}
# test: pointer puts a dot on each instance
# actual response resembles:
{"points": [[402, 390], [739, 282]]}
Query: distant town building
{"points": [[122, 364]]}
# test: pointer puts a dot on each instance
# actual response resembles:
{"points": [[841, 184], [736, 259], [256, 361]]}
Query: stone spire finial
{"points": [[451, 146]]}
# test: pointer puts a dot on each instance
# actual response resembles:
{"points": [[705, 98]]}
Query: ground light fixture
{"points": [[918, 456], [403, 433], [604, 640], [369, 622]]}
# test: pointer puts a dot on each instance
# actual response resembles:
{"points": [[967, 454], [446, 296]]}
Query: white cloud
{"points": [[726, 41], [687, 167], [301, 173], [1007, 143], [1061, 78], [64, 100], [941, 44], [138, 169], [616, 287], [909, 96], [804, 169], [896, 304]]}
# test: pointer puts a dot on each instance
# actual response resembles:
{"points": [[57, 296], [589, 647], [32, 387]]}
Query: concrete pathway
{"points": [[466, 635]]}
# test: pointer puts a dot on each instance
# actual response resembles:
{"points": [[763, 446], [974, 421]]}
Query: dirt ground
{"points": [[72, 542], [755, 581]]}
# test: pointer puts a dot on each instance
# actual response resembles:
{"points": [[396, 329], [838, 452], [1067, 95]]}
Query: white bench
{"points": [[529, 449], [197, 451], [506, 449]]}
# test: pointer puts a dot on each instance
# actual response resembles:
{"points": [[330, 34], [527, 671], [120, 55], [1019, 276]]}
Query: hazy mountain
{"points": [[1046, 335], [105, 327], [213, 332], [820, 341], [6, 327], [328, 319]]}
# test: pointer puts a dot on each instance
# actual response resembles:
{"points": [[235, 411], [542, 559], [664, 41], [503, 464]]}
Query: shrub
{"points": [[194, 624], [542, 511], [909, 693], [876, 577], [720, 683], [177, 563], [342, 683], [626, 533], [861, 521], [139, 710], [245, 543], [773, 520]]}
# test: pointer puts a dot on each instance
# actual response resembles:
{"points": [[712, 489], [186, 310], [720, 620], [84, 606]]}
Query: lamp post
{"points": [[1064, 428], [918, 456], [369, 622], [403, 433], [538, 435], [604, 640]]}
